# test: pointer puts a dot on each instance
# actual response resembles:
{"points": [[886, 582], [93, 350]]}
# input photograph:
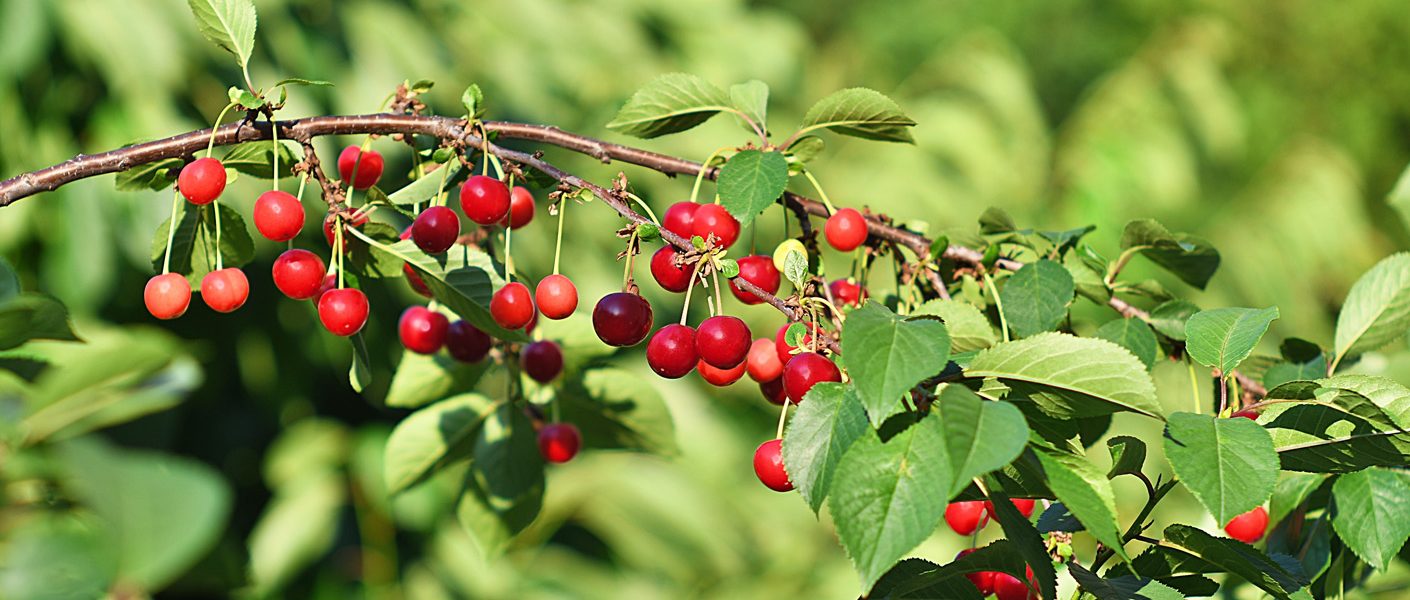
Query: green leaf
{"points": [[618, 410], [245, 98], [795, 268], [1302, 361], [828, 420], [1128, 455], [421, 379], [1292, 490], [1229, 465], [1087, 494], [980, 436], [752, 99], [969, 329], [318, 83], [806, 148], [887, 355], [56, 556], [1388, 394], [228, 23], [1026, 539], [1170, 318], [372, 262], [1191, 259], [434, 437], [750, 182], [995, 221], [860, 112], [297, 528], [1223, 337], [1126, 587], [1133, 335], [882, 498], [256, 159], [33, 317], [1332, 430], [1377, 309], [1238, 558], [153, 176], [918, 579], [504, 488], [193, 247], [1035, 298], [1068, 376], [360, 373], [473, 100], [1373, 513], [671, 103], [9, 282]]}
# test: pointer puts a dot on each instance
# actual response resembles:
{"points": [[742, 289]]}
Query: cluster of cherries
{"points": [[967, 518]]}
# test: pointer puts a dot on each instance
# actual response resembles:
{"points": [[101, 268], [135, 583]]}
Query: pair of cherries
{"points": [[513, 307], [718, 348], [301, 275], [1002, 585]]}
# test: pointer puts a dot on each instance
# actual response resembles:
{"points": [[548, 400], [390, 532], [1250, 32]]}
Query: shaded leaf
{"points": [[1373, 513], [1035, 298], [828, 420], [887, 355]]}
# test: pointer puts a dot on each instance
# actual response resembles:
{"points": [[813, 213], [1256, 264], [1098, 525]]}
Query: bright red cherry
{"points": [[542, 360], [1251, 415], [1248, 527], [278, 215], [343, 311], [622, 319], [760, 271], [785, 351], [763, 363], [670, 276], [805, 371], [369, 167], [723, 341], [413, 278], [356, 219], [845, 230], [556, 296], [484, 199], [521, 208], [1008, 587], [435, 229], [225, 290], [466, 343], [773, 391], [167, 296], [768, 466], [298, 273], [719, 377], [671, 351], [422, 330], [713, 219], [559, 442], [846, 292], [680, 219], [512, 306], [1025, 506], [202, 181], [982, 580], [967, 517]]}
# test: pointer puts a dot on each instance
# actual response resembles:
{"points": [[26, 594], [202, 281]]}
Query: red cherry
{"points": [[1008, 587], [167, 296], [202, 181], [713, 219], [559, 442], [541, 360], [671, 352], [670, 276], [723, 341], [967, 517], [719, 377], [413, 278], [1024, 505], [768, 466], [356, 219], [330, 283], [521, 208], [760, 271], [278, 216], [845, 230], [680, 219], [773, 391], [435, 229], [466, 343], [512, 306], [369, 167], [806, 370], [225, 290], [298, 273], [484, 199], [763, 363], [422, 330], [622, 319], [343, 311], [533, 322], [785, 351], [982, 580], [1251, 415], [1248, 527], [846, 292], [556, 296]]}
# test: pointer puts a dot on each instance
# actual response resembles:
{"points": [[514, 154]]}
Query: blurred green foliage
{"points": [[1274, 130]]}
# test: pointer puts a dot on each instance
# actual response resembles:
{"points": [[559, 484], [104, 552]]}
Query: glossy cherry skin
{"points": [[671, 351], [413, 278], [763, 363], [982, 580], [768, 466], [202, 181], [357, 219], [805, 371], [680, 219], [966, 518], [713, 219], [670, 276], [845, 230], [343, 311], [556, 296], [521, 208], [1251, 415], [1248, 527], [773, 391], [369, 167], [758, 270], [330, 283], [435, 229], [559, 442], [622, 319], [1025, 506], [541, 361], [723, 341], [278, 216], [225, 290], [422, 330], [1008, 587], [785, 351], [846, 292], [512, 306], [484, 199], [298, 273], [167, 296], [466, 343], [719, 377]]}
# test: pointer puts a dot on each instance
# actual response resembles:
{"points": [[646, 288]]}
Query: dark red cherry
{"points": [[1008, 587], [805, 371], [435, 229], [723, 341], [413, 278], [466, 343], [521, 208], [556, 296], [773, 391], [225, 290], [719, 377], [541, 361], [846, 292], [1250, 414], [671, 351], [343, 311], [768, 466], [167, 296], [559, 442], [713, 219], [760, 271], [512, 306], [967, 517], [622, 319], [422, 330], [278, 216], [669, 275], [845, 230], [1248, 527], [368, 164], [982, 580], [763, 363], [202, 181], [356, 219], [680, 219], [484, 199]]}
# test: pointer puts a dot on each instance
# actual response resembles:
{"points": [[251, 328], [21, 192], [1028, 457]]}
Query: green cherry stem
{"points": [[274, 131], [695, 274], [558, 242], [303, 179], [649, 212], [1194, 385], [210, 147], [338, 244], [700, 175], [782, 418], [171, 230], [219, 256], [508, 234], [821, 194]]}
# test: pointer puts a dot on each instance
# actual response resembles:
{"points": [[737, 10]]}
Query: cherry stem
{"points": [[700, 175], [210, 147], [274, 130], [715, 272], [563, 202], [1194, 385], [830, 306], [219, 256], [694, 274], [338, 245], [642, 204], [821, 194], [508, 233], [171, 230], [303, 179], [627, 270], [813, 311], [442, 197], [782, 417]]}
